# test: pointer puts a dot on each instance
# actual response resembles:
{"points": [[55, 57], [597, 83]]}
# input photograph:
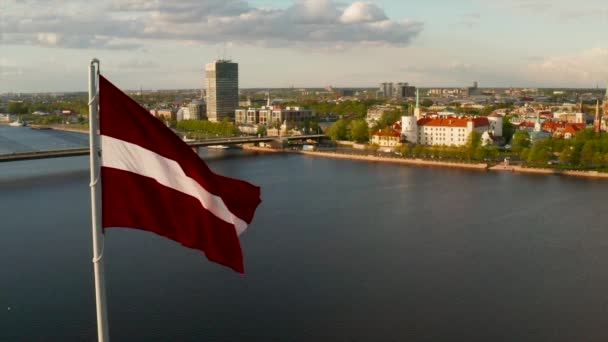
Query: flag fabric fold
{"points": [[153, 181]]}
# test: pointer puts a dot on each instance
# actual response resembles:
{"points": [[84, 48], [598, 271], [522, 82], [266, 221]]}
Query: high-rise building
{"points": [[222, 89], [399, 91]]}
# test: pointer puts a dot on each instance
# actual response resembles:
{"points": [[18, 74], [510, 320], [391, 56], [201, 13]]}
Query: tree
{"points": [[565, 157], [507, 130], [388, 118], [521, 140], [539, 154], [338, 131], [359, 132], [405, 150], [480, 153], [586, 159], [426, 103], [17, 107], [473, 142], [314, 127], [261, 130]]}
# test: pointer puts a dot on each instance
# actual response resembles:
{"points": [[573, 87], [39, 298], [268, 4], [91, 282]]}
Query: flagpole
{"points": [[100, 287]]}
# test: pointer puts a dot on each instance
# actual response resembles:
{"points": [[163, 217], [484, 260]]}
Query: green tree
{"points": [[507, 130], [521, 140], [359, 132], [17, 107], [480, 153], [262, 130], [388, 118], [314, 127], [539, 154], [565, 157], [338, 131], [587, 152]]}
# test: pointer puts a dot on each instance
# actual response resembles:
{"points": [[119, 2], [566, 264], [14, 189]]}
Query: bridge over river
{"points": [[73, 152]]}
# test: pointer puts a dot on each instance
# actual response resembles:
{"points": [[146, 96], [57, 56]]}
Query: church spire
{"points": [[417, 109], [268, 98], [597, 123]]}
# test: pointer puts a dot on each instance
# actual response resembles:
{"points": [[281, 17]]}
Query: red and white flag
{"points": [[153, 181]]}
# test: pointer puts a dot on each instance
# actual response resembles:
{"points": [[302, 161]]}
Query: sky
{"points": [[46, 45]]}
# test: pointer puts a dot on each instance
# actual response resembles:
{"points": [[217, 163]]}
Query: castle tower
{"points": [[409, 129]]}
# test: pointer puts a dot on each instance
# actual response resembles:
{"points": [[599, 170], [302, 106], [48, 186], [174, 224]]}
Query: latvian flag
{"points": [[153, 181]]}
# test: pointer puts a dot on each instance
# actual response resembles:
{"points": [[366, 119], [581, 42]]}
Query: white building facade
{"points": [[445, 131]]}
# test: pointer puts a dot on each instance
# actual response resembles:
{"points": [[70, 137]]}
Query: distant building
{"points": [[403, 91], [222, 89], [386, 138], [274, 116], [447, 130], [167, 114], [398, 91], [375, 113], [386, 89], [197, 110]]}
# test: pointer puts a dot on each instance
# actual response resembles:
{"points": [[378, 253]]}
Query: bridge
{"points": [[74, 152]]}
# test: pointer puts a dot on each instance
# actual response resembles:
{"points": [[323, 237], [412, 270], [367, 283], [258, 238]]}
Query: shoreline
{"points": [[63, 129], [444, 164]]}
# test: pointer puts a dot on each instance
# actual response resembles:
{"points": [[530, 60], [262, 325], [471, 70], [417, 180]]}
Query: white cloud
{"points": [[586, 68], [361, 12], [127, 23]]}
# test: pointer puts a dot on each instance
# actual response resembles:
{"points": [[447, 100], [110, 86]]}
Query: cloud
{"points": [[127, 24], [556, 9], [586, 68], [361, 12], [469, 20]]}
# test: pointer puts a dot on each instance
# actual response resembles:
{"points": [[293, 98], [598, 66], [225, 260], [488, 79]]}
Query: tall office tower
{"points": [[222, 89], [386, 89]]}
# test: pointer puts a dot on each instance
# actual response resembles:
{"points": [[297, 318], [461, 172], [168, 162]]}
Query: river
{"points": [[338, 251]]}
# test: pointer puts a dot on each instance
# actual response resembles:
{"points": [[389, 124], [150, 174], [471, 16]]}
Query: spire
{"points": [[417, 109], [596, 121], [268, 98], [537, 125]]}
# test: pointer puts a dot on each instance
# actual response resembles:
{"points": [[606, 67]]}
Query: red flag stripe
{"points": [[129, 157], [124, 119], [165, 210]]}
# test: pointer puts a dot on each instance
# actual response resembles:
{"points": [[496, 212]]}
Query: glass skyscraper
{"points": [[222, 89]]}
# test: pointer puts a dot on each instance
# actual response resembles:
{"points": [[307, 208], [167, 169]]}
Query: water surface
{"points": [[338, 251]]}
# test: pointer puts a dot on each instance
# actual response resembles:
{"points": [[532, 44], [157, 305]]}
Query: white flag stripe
{"points": [[126, 156]]}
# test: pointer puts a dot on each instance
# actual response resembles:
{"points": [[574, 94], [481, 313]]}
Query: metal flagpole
{"points": [[100, 286]]}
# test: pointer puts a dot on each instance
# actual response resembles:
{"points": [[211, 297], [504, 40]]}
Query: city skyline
{"points": [[312, 43]]}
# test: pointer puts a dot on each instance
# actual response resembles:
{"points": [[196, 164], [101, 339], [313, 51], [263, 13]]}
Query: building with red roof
{"points": [[387, 137]]}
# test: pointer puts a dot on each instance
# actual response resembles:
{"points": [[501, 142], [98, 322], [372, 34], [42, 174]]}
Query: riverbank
{"points": [[545, 171], [396, 160], [67, 128], [432, 163]]}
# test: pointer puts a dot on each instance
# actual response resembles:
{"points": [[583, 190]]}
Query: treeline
{"points": [[586, 150], [207, 128], [78, 106], [357, 129], [352, 130], [472, 151], [354, 108]]}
